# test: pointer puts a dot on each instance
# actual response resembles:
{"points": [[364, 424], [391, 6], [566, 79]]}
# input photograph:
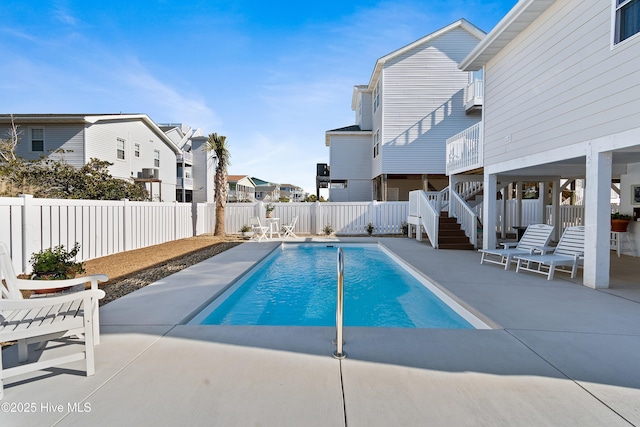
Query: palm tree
{"points": [[218, 145]]}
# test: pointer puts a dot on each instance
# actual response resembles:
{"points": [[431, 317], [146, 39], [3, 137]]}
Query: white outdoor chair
{"points": [[288, 228], [536, 236], [38, 320], [569, 252], [259, 230]]}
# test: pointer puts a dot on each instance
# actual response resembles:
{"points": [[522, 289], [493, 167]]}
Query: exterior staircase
{"points": [[450, 235]]}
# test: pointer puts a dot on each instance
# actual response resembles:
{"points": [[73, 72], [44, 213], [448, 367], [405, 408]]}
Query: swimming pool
{"points": [[296, 286]]}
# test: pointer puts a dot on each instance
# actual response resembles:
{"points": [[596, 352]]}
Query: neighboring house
{"points": [[562, 101], [137, 147], [292, 192], [416, 98], [266, 191], [195, 167], [240, 189]]}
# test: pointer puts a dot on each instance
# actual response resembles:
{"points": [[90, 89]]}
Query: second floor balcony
{"points": [[186, 183], [474, 96], [187, 156], [464, 150]]}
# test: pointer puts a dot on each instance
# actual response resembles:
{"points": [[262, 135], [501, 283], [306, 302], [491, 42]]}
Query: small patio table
{"points": [[273, 226]]}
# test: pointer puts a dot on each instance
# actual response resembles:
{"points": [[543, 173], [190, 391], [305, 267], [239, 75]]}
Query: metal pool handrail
{"points": [[339, 354]]}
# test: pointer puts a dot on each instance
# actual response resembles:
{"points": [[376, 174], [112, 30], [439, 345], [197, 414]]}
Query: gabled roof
{"points": [[347, 130], [462, 23], [238, 178], [351, 128], [90, 119], [514, 22]]}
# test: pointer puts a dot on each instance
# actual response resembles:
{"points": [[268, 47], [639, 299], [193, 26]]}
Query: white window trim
{"points": [[156, 158], [614, 27], [44, 148], [124, 149], [136, 150], [376, 144]]}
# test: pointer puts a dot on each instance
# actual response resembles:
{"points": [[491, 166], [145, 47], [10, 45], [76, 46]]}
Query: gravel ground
{"points": [[132, 270], [143, 278]]}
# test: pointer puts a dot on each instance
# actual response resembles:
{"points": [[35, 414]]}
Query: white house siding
{"points": [[423, 99], [101, 143], [358, 190], [350, 159], [365, 121], [203, 171], [377, 125], [559, 83], [68, 137]]}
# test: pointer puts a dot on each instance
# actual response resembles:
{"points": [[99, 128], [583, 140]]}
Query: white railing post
{"points": [[126, 225], [27, 228]]}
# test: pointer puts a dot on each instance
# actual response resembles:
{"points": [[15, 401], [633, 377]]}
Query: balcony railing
{"points": [[464, 150], [186, 182], [186, 155], [474, 96]]}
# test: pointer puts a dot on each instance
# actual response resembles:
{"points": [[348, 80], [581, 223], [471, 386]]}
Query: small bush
{"points": [[56, 263], [328, 229]]}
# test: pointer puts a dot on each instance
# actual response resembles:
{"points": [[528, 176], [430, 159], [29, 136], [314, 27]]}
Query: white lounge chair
{"points": [[536, 236], [288, 228], [569, 252], [38, 320], [259, 230]]}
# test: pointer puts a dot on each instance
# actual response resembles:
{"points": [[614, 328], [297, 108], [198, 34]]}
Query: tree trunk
{"points": [[219, 229]]}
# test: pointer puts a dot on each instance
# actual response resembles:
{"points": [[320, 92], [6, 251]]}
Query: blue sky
{"points": [[271, 76]]}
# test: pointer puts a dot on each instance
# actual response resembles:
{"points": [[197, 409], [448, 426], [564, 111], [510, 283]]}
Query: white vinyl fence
{"points": [[29, 225], [349, 218]]}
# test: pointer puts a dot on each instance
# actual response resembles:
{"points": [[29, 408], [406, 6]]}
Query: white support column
{"points": [[542, 192], [503, 215], [555, 208], [597, 220], [518, 220], [489, 211], [452, 185]]}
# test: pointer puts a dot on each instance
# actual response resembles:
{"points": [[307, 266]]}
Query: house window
{"points": [[376, 144], [136, 150], [37, 140], [376, 96], [120, 148], [339, 184], [627, 19], [156, 158]]}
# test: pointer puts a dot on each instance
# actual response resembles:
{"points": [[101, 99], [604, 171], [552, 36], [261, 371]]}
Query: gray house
{"points": [[139, 150]]}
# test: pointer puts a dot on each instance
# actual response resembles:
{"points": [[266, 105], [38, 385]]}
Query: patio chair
{"points": [[536, 236], [288, 228], [13, 286], [38, 320], [569, 252], [259, 230]]}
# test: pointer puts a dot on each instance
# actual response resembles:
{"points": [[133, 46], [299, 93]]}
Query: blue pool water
{"points": [[297, 287]]}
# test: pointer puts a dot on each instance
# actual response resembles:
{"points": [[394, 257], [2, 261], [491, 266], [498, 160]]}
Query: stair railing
{"points": [[429, 205], [466, 217]]}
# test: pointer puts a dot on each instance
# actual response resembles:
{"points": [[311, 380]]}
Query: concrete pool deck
{"points": [[562, 354]]}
